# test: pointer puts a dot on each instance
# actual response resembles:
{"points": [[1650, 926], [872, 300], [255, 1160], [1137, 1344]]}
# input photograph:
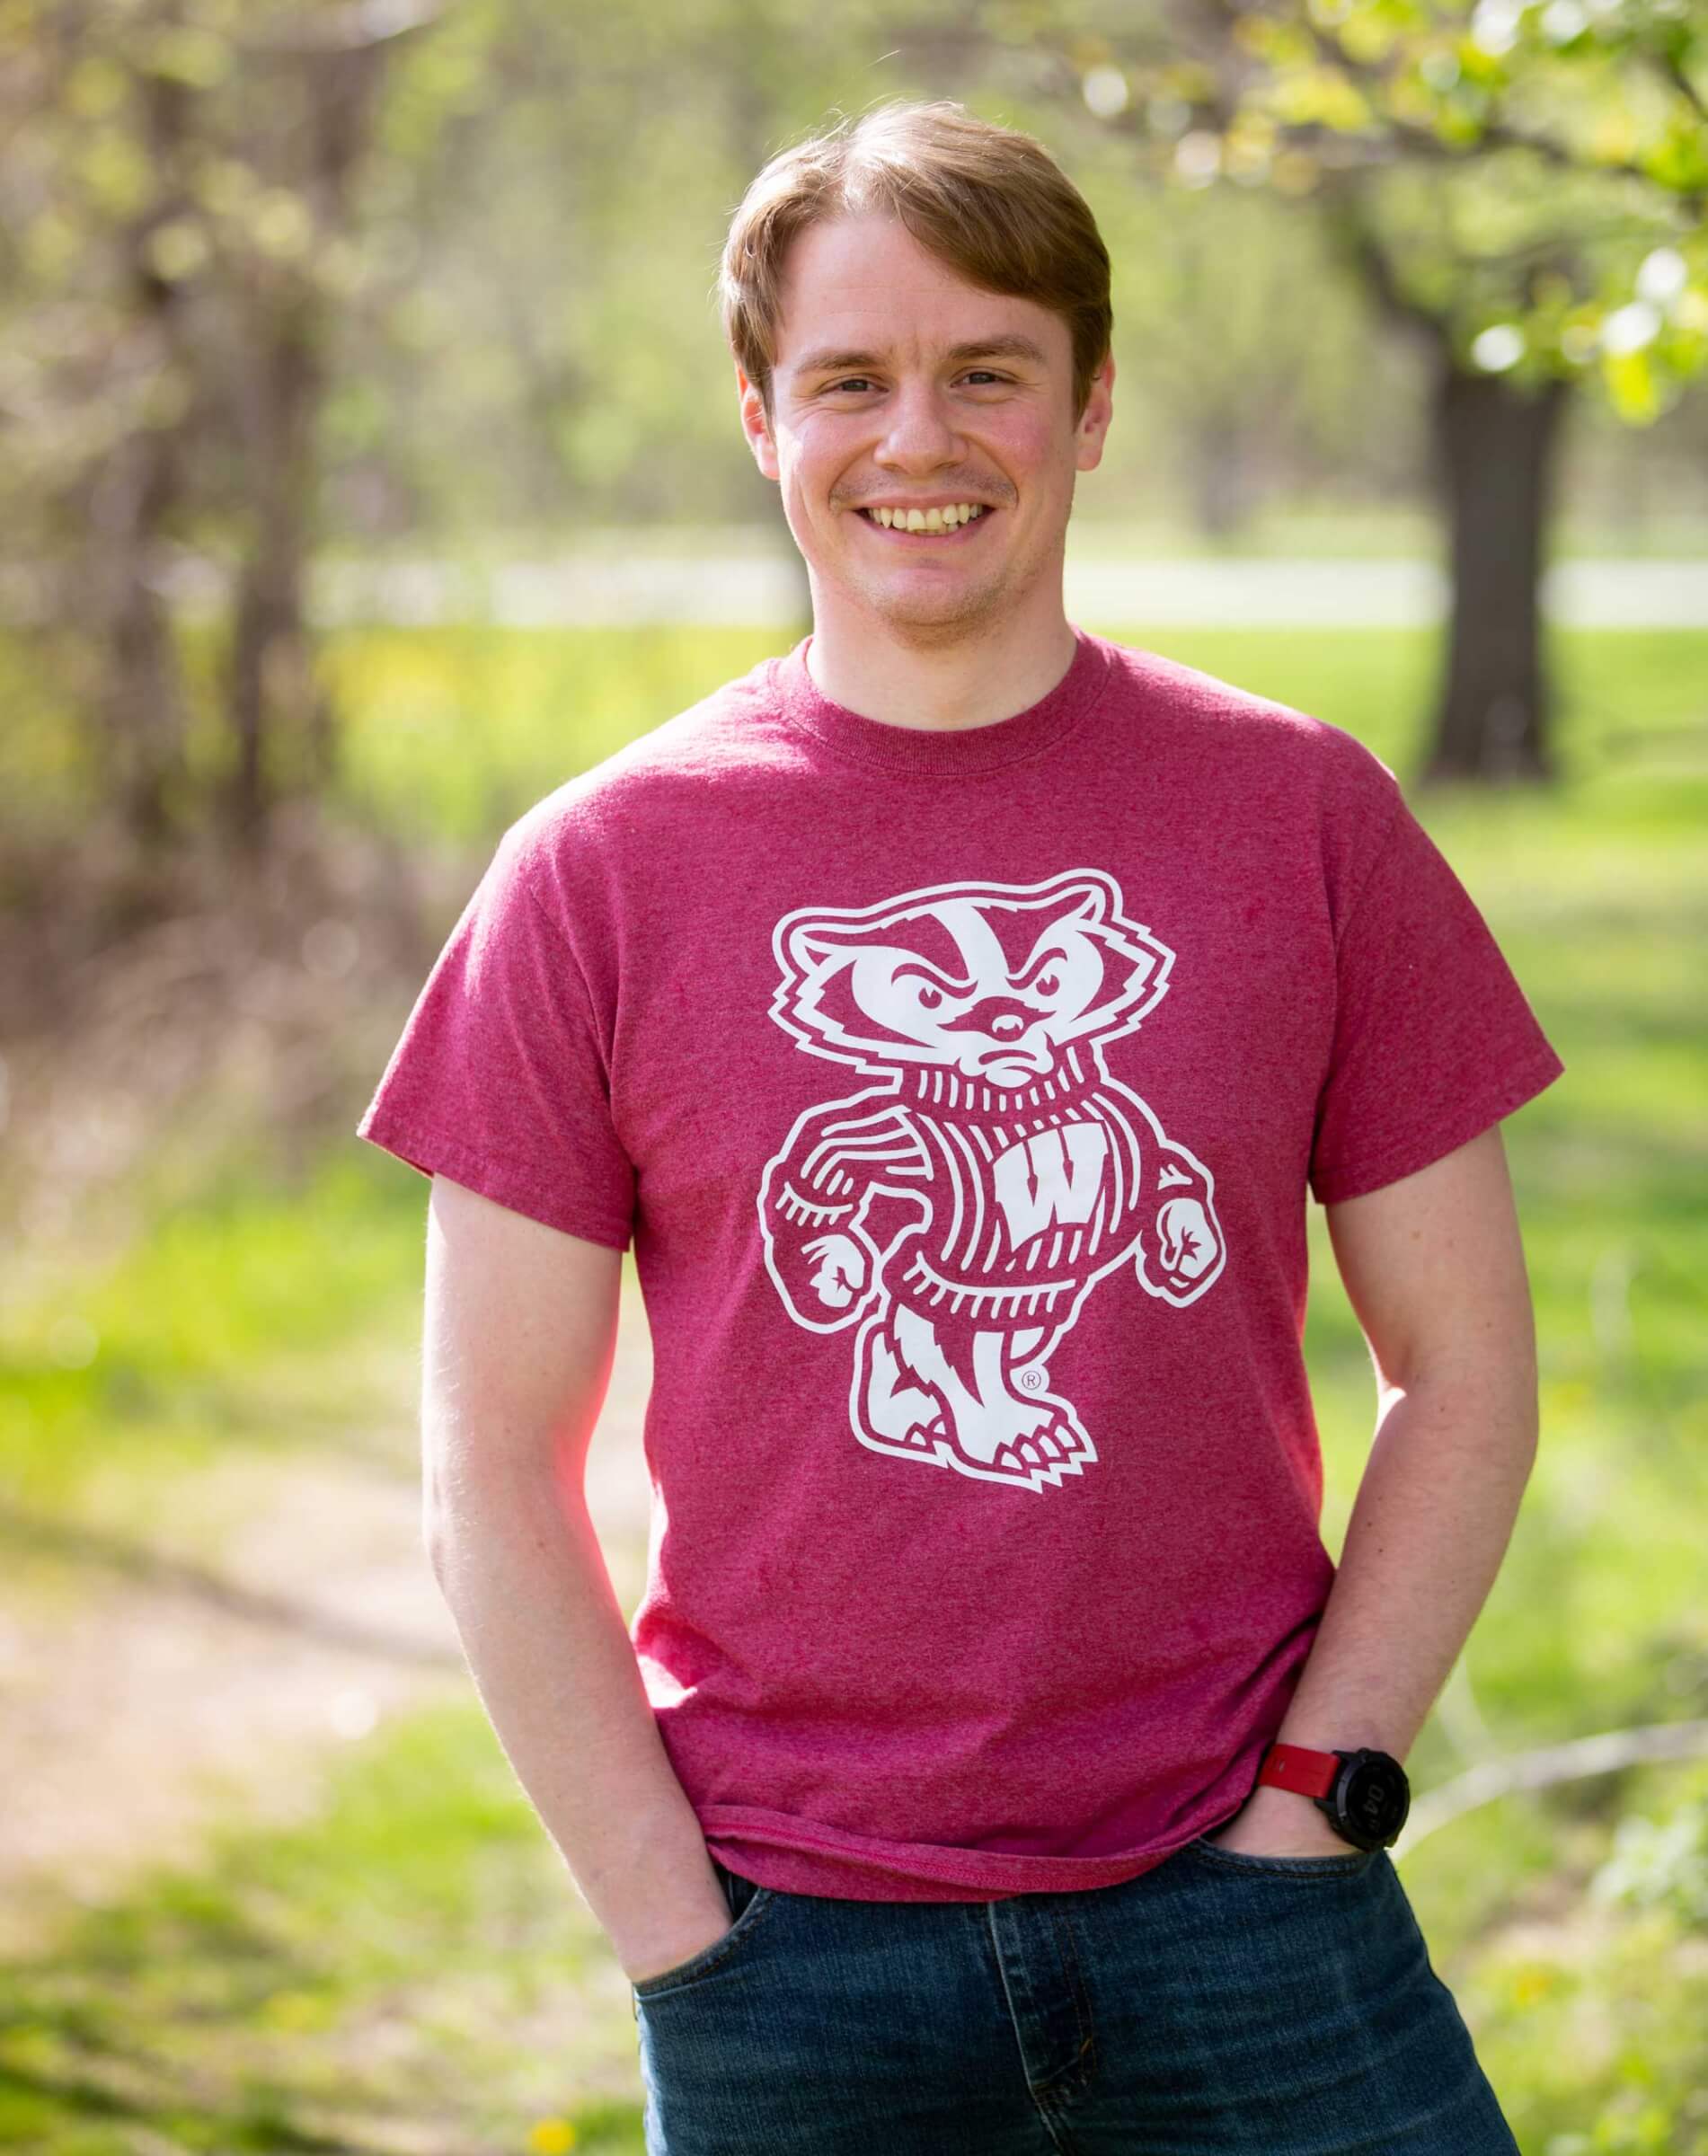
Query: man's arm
{"points": [[1435, 1272], [519, 1339]]}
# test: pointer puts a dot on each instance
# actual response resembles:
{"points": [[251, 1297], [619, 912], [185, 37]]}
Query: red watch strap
{"points": [[1296, 1767]]}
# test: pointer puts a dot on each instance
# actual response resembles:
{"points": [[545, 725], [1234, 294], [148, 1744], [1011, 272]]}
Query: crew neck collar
{"points": [[932, 752]]}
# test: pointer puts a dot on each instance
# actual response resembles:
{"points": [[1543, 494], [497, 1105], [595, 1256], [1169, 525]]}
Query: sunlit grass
{"points": [[412, 1970], [455, 731], [153, 1367]]}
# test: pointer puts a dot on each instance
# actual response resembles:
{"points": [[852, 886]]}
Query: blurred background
{"points": [[368, 466]]}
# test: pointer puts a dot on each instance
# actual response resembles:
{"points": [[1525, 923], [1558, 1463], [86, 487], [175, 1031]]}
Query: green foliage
{"points": [[498, 317], [1661, 1863], [1551, 162]]}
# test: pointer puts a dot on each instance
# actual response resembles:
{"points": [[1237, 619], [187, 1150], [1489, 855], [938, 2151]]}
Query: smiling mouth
{"points": [[933, 523]]}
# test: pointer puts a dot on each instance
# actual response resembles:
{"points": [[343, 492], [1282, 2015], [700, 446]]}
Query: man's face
{"points": [[898, 385]]}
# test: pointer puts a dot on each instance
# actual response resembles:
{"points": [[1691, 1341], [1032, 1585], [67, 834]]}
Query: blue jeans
{"points": [[1219, 2002]]}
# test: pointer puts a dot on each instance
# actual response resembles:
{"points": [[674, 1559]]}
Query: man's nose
{"points": [[920, 433]]}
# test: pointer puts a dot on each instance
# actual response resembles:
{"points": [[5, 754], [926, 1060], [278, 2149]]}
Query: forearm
{"points": [[527, 1584], [1430, 1527]]}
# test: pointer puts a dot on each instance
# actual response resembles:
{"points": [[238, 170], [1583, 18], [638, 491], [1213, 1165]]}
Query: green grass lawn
{"points": [[132, 1378], [413, 1970]]}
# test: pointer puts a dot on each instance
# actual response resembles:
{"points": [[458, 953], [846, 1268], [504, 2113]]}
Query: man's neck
{"points": [[993, 673]]}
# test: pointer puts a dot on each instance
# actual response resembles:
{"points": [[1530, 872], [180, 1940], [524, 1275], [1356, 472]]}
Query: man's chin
{"points": [[936, 615]]}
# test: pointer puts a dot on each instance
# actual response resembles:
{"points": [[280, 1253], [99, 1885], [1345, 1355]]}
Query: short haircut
{"points": [[990, 203]]}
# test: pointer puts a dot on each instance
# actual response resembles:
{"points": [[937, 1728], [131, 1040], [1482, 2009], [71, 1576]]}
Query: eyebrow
{"points": [[987, 348]]}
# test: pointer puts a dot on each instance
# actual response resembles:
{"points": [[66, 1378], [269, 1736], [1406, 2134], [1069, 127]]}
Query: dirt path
{"points": [[142, 1692]]}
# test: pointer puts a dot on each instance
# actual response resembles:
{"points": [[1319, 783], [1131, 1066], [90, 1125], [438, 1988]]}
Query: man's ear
{"points": [[1094, 421], [755, 425]]}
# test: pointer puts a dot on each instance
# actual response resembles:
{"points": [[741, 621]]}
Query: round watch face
{"points": [[1374, 1797]]}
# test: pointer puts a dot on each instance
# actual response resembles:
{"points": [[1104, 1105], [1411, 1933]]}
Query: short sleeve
{"points": [[1433, 1039], [497, 1081]]}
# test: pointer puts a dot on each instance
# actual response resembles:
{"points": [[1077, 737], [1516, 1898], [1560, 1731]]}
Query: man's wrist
{"points": [[671, 1927], [1320, 1732], [1361, 1791], [1266, 1801]]}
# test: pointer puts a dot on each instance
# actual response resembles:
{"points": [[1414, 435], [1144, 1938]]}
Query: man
{"points": [[956, 1012]]}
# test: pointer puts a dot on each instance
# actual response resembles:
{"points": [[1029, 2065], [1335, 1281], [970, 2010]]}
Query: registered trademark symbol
{"points": [[1032, 1380]]}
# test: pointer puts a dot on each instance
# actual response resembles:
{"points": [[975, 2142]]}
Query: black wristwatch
{"points": [[1364, 1794]]}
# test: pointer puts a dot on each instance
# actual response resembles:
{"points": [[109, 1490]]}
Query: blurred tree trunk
{"points": [[129, 498], [1495, 449], [180, 239], [280, 718], [1219, 468], [138, 701], [280, 715]]}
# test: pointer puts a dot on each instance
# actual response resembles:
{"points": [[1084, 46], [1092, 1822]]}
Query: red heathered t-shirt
{"points": [[962, 1092]]}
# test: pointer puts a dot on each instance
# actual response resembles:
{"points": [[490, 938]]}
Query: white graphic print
{"points": [[961, 1211]]}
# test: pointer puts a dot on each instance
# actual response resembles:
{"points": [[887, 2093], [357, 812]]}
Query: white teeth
{"points": [[928, 520]]}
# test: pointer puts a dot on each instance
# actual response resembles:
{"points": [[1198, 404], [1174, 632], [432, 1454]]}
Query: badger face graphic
{"points": [[990, 987], [962, 1210]]}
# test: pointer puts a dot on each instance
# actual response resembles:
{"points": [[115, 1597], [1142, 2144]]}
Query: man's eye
{"points": [[853, 382]]}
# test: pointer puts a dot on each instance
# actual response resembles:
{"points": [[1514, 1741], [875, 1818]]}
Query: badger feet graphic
{"points": [[973, 1403]]}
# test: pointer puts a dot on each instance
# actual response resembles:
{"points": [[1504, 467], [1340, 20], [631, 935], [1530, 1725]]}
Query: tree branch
{"points": [[1673, 68], [1572, 1762]]}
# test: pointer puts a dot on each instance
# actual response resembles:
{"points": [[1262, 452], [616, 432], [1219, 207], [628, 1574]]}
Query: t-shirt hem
{"points": [[505, 1183], [794, 1856], [1333, 1186]]}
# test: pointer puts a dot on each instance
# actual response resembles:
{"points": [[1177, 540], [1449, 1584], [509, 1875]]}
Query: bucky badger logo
{"points": [[962, 1210]]}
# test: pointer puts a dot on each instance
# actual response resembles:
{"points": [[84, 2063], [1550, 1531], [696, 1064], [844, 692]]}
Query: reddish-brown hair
{"points": [[990, 203]]}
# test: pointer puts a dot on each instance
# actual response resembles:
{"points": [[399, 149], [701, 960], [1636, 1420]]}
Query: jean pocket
{"points": [[1332, 1867], [750, 1914]]}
